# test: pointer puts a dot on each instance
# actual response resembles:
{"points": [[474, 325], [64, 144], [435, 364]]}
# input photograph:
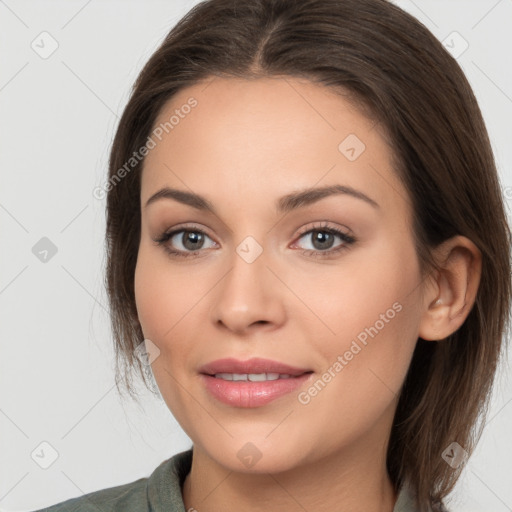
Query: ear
{"points": [[452, 289]]}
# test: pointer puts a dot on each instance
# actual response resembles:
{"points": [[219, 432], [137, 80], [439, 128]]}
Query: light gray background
{"points": [[58, 117]]}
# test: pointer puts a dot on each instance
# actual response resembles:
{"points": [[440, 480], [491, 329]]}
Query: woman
{"points": [[305, 227]]}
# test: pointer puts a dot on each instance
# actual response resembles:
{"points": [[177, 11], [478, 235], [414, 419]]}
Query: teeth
{"points": [[253, 377]]}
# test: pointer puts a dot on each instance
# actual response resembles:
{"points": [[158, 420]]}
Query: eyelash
{"points": [[347, 241]]}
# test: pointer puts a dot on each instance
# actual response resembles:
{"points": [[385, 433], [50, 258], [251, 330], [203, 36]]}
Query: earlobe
{"points": [[453, 288]]}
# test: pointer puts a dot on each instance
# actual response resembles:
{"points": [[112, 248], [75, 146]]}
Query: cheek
{"points": [[370, 306], [375, 332], [162, 298], [353, 294], [150, 299], [168, 301], [162, 303]]}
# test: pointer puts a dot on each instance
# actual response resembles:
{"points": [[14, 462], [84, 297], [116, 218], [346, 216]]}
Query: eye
{"points": [[323, 237], [183, 242]]}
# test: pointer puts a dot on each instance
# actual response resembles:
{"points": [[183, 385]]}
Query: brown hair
{"points": [[400, 74]]}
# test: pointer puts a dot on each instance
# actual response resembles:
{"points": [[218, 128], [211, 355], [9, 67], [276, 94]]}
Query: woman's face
{"points": [[264, 275]]}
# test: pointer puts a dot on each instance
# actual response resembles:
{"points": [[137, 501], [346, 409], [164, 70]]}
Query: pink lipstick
{"points": [[251, 383]]}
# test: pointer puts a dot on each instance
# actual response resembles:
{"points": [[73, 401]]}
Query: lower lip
{"points": [[252, 394]]}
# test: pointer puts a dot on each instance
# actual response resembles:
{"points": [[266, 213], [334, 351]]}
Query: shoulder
{"points": [[160, 491], [406, 501], [130, 496]]}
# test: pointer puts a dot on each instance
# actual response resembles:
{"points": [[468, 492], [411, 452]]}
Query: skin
{"points": [[244, 145]]}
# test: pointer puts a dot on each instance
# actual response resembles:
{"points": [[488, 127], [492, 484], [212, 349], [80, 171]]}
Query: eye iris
{"points": [[324, 238], [194, 238]]}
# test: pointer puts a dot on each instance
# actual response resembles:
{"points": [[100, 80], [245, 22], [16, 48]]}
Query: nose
{"points": [[249, 297]]}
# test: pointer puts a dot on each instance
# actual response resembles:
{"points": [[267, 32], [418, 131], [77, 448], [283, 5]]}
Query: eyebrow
{"points": [[285, 204]]}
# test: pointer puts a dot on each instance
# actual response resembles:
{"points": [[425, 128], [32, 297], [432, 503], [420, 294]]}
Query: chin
{"points": [[257, 455]]}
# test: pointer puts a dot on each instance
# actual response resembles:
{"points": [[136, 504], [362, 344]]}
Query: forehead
{"points": [[266, 135], [296, 108]]}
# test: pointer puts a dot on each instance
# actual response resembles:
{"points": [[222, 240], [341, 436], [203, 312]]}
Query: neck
{"points": [[354, 478]]}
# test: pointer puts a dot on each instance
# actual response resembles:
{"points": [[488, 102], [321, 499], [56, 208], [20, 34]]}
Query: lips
{"points": [[252, 383], [251, 366]]}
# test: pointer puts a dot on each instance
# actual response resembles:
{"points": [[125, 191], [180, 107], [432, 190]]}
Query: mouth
{"points": [[252, 383], [255, 377], [255, 369]]}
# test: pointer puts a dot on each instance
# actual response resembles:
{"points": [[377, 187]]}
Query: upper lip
{"points": [[254, 365]]}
